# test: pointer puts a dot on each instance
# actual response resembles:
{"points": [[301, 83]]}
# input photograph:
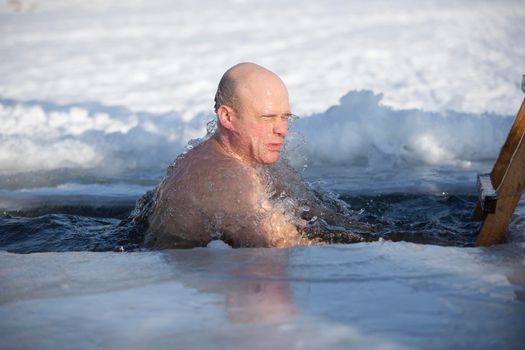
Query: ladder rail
{"points": [[496, 207]]}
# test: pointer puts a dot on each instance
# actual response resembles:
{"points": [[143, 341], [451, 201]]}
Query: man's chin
{"points": [[271, 158]]}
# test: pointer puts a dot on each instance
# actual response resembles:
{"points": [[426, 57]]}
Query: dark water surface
{"points": [[92, 226], [428, 205]]}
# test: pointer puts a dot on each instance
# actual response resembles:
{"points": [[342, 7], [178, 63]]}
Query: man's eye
{"points": [[284, 117], [269, 118]]}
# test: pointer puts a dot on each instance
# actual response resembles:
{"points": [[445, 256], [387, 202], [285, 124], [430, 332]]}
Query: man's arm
{"points": [[254, 221]]}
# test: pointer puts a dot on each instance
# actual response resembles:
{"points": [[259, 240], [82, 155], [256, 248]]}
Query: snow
{"points": [[106, 85], [157, 56]]}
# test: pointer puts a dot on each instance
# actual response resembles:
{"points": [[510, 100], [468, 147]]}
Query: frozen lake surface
{"points": [[380, 295]]}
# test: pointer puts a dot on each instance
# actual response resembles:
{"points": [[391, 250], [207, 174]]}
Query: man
{"points": [[218, 190]]}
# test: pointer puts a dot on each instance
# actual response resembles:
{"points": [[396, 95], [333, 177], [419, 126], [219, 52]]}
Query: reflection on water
{"points": [[517, 277], [254, 283], [318, 297]]}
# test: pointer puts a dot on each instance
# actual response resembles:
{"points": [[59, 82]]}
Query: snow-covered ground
{"points": [[159, 56], [120, 86]]}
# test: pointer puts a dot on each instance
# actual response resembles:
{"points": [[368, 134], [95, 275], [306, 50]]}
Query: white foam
{"points": [[360, 128], [40, 136]]}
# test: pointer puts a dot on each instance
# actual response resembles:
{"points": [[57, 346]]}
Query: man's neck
{"points": [[225, 147]]}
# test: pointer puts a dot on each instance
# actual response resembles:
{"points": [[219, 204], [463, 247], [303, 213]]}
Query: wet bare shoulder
{"points": [[205, 169]]}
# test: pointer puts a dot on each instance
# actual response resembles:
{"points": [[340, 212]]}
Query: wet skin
{"points": [[217, 190]]}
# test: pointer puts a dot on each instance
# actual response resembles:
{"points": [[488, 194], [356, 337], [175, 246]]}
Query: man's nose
{"points": [[281, 127]]}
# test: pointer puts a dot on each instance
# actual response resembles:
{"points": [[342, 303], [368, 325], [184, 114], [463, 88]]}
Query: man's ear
{"points": [[225, 115]]}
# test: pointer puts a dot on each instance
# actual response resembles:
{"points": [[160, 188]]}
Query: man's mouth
{"points": [[275, 146]]}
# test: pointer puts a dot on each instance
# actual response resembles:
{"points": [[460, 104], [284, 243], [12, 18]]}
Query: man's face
{"points": [[261, 122]]}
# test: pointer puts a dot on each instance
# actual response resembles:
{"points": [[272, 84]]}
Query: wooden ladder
{"points": [[500, 191]]}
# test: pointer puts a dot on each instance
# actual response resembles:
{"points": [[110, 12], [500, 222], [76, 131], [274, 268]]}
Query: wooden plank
{"points": [[487, 194], [512, 184], [502, 163]]}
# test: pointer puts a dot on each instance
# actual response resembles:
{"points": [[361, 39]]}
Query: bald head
{"points": [[252, 110], [246, 81]]}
